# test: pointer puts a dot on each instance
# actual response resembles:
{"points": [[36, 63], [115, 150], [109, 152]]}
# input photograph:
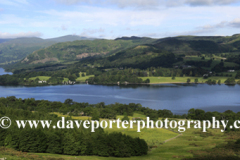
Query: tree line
{"points": [[79, 141]]}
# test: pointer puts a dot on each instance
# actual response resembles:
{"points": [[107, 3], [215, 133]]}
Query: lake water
{"points": [[2, 72], [177, 98]]}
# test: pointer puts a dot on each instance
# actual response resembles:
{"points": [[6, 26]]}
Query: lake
{"points": [[177, 98], [2, 72]]}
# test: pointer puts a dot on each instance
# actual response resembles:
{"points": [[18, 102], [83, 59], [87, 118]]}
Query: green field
{"points": [[45, 78], [191, 141], [41, 78], [186, 145], [155, 80], [83, 79]]}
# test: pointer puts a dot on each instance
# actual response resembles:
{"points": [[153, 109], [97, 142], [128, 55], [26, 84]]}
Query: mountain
{"points": [[166, 51], [69, 38], [4, 40], [76, 50], [13, 50], [192, 47], [138, 52]]}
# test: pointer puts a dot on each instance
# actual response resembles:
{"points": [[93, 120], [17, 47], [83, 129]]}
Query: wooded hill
{"points": [[135, 52], [72, 51], [13, 50], [130, 47]]}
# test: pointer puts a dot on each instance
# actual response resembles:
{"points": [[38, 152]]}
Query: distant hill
{"points": [[192, 47], [166, 51], [69, 38], [139, 52], [76, 50], [4, 40], [13, 50], [141, 56]]}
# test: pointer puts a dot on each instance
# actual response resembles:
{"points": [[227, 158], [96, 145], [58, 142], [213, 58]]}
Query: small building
{"points": [[231, 71], [42, 81]]}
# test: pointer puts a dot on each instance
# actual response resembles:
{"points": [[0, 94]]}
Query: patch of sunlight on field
{"points": [[135, 115], [65, 79], [73, 117], [42, 78], [182, 79], [83, 79], [152, 136]]}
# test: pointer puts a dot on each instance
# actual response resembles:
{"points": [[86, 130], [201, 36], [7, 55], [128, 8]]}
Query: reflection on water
{"points": [[176, 97]]}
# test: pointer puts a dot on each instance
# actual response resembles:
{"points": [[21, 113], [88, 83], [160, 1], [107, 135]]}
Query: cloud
{"points": [[63, 27], [203, 30], [20, 34], [14, 2], [209, 2], [149, 3], [235, 23], [90, 32], [1, 9]]}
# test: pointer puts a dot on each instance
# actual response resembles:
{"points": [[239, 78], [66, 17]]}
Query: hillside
{"points": [[69, 38], [4, 40], [13, 50], [72, 51], [141, 56], [132, 51], [198, 46]]}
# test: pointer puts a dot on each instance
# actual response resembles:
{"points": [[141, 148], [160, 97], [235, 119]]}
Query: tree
{"points": [[147, 81], [72, 78], [125, 118], [196, 80], [54, 143], [188, 80], [95, 115], [219, 82], [230, 81]]}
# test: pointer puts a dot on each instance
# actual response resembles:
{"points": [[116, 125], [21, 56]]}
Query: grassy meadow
{"points": [[156, 80], [191, 142]]}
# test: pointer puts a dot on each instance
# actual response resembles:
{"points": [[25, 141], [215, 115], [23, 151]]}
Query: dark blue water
{"points": [[177, 98], [2, 72]]}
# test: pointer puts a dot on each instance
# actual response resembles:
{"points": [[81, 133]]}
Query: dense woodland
{"points": [[70, 142]]}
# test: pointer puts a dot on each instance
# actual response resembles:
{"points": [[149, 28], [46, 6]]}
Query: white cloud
{"points": [[149, 3], [20, 34], [102, 17], [63, 27], [235, 23], [1, 9], [14, 2], [91, 32], [209, 2]]}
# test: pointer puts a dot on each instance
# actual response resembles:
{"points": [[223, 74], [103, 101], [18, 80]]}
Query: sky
{"points": [[111, 19]]}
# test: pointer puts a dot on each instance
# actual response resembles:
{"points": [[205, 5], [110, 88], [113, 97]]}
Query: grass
{"points": [[192, 140], [42, 78], [45, 78], [154, 80], [152, 136], [83, 79]]}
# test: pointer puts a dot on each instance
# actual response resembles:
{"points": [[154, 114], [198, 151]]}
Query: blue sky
{"points": [[116, 18]]}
